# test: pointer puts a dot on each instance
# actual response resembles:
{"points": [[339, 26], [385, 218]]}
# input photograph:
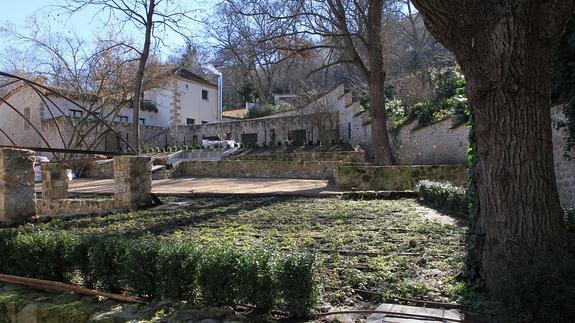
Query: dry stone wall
{"points": [[396, 178], [54, 181], [17, 197], [133, 181], [298, 169]]}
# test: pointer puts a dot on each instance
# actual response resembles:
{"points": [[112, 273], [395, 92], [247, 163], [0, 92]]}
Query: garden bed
{"points": [[367, 251]]}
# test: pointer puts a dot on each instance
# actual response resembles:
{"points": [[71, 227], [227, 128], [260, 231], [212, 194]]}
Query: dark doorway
{"points": [[298, 137], [250, 139]]}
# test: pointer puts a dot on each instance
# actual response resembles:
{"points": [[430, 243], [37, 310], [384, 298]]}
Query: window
{"points": [[94, 116], [76, 113], [190, 122], [142, 121], [204, 122], [27, 116], [205, 95], [123, 119]]}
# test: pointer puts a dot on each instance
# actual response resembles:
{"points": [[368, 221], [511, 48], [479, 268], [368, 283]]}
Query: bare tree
{"points": [[242, 42], [97, 76], [505, 49], [155, 18], [350, 31]]}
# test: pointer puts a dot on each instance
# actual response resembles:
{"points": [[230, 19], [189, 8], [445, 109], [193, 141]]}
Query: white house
{"points": [[184, 99]]}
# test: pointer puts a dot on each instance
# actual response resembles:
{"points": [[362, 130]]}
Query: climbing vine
{"points": [[473, 261]]}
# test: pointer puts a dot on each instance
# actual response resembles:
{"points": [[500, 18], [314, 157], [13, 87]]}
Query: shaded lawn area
{"points": [[369, 251]]}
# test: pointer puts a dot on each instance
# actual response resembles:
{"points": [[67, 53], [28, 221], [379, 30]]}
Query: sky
{"points": [[84, 24]]}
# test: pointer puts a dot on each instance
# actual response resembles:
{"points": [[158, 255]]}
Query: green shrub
{"points": [[443, 195], [106, 257], [140, 266], [177, 271], [297, 283], [221, 276], [43, 255], [6, 240], [218, 275], [256, 280], [423, 112], [542, 291]]}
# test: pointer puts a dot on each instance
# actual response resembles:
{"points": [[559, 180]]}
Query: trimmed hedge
{"points": [[446, 196], [161, 269], [443, 195]]}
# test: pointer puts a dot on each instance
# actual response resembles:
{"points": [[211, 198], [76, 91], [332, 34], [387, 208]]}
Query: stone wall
{"points": [[100, 169], [396, 178], [133, 181], [268, 131], [444, 142], [564, 165], [258, 168], [54, 181], [47, 207], [342, 156], [133, 189], [17, 197], [151, 136]]}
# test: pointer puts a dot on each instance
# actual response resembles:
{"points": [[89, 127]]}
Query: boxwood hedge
{"points": [[166, 269]]}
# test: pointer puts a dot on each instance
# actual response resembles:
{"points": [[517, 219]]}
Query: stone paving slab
{"points": [[215, 186], [455, 315]]}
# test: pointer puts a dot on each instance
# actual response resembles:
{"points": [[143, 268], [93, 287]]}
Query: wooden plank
{"points": [[405, 309]]}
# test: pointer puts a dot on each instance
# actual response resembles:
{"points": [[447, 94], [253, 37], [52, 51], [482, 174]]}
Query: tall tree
{"points": [[505, 49], [350, 32], [148, 16]]}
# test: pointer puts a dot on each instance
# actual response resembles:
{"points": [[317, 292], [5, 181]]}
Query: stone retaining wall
{"points": [[342, 156], [258, 168], [396, 178], [74, 206]]}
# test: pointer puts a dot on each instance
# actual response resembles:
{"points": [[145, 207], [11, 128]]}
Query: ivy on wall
{"points": [[473, 235]]}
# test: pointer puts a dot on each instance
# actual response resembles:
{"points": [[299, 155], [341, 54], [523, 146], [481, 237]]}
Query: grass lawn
{"points": [[369, 251]]}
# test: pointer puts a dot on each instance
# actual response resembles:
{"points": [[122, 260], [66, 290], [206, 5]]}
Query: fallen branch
{"points": [[61, 287], [397, 314]]}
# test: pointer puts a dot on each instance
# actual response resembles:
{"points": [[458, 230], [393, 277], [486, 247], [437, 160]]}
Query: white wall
{"points": [[15, 126], [192, 104]]}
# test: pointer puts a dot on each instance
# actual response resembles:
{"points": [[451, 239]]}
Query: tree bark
{"points": [[376, 81], [504, 49], [140, 75]]}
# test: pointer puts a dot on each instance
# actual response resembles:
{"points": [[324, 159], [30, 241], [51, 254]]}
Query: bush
{"points": [[443, 195], [106, 257], [542, 291], [140, 266], [297, 283], [45, 255], [218, 276], [221, 276], [177, 271], [423, 112], [256, 280]]}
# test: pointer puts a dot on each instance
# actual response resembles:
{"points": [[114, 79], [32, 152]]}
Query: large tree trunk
{"points": [[138, 80], [504, 48], [376, 82]]}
